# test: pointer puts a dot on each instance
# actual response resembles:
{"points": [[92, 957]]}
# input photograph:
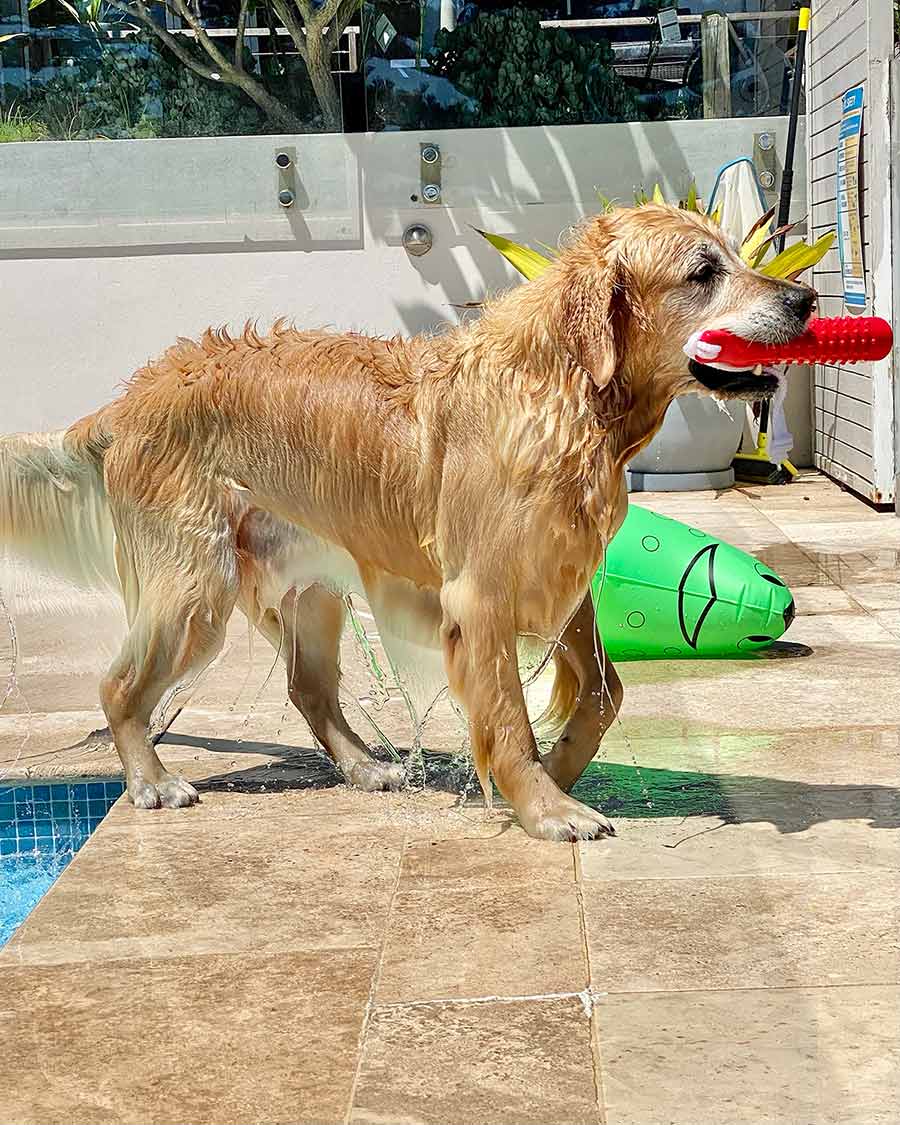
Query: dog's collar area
{"points": [[734, 384]]}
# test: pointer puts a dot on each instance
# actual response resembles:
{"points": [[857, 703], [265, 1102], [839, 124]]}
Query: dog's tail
{"points": [[563, 700], [54, 514]]}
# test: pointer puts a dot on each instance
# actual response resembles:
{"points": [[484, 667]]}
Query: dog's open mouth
{"points": [[746, 384]]}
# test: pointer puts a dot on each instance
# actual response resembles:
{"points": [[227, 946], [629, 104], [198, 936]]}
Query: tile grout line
{"points": [[590, 1006], [586, 998], [373, 986], [605, 880]]}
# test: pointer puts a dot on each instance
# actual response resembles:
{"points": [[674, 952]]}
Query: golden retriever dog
{"points": [[465, 483]]}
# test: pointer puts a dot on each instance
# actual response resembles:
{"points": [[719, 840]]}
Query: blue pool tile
{"points": [[41, 828]]}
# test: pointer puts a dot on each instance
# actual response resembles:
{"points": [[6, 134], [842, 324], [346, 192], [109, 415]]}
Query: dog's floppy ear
{"points": [[593, 305]]}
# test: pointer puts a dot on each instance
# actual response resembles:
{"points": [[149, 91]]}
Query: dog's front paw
{"points": [[568, 820], [372, 776], [169, 792], [176, 793]]}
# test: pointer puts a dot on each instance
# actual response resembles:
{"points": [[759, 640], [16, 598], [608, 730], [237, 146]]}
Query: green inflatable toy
{"points": [[669, 591]]}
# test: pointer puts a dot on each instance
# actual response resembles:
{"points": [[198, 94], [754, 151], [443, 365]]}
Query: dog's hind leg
{"points": [[587, 695], [178, 628], [309, 634]]}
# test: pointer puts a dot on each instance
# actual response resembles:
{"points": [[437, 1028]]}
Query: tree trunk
{"points": [[318, 63], [275, 110]]}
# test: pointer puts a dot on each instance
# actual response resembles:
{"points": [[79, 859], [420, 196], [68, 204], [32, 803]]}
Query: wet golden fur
{"points": [[465, 483]]}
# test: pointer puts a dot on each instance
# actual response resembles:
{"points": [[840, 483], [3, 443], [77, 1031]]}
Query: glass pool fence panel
{"points": [[84, 69]]}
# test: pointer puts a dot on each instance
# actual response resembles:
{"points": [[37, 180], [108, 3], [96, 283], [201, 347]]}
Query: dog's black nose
{"points": [[800, 300]]}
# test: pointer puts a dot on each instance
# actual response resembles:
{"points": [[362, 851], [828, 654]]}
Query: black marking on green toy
{"points": [[710, 550]]}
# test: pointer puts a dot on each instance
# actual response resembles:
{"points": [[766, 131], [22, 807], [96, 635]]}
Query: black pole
{"points": [[787, 175]]}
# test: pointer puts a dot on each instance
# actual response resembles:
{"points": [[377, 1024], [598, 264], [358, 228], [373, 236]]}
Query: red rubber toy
{"points": [[831, 339]]}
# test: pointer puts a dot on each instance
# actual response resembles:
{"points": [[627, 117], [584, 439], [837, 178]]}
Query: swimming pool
{"points": [[42, 826]]}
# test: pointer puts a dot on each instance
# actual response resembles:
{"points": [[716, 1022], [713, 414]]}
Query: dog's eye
{"points": [[704, 274]]}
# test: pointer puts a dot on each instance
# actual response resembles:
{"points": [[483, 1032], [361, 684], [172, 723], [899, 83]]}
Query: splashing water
{"points": [[374, 692], [13, 656], [24, 880], [11, 688], [601, 659]]}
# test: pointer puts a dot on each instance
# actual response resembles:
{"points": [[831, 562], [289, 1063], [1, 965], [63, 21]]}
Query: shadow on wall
{"points": [[524, 183]]}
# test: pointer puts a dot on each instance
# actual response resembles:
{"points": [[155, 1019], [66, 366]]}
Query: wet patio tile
{"points": [[524, 1063], [272, 887], [475, 937], [253, 1039], [746, 932], [821, 1056]]}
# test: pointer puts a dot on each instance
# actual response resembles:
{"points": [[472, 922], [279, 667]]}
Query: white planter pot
{"points": [[693, 450]]}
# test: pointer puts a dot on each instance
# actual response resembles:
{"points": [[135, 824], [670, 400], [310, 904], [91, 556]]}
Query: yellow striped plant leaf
{"points": [[766, 245], [528, 262], [799, 257], [756, 236]]}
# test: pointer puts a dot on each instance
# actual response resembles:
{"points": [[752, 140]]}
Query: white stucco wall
{"points": [[109, 250]]}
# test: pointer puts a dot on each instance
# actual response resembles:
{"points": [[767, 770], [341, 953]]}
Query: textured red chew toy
{"points": [[832, 339]]}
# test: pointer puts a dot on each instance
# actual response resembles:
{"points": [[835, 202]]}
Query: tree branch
{"points": [[202, 38], [342, 13], [140, 13], [305, 8], [224, 70], [294, 27], [239, 36], [326, 12]]}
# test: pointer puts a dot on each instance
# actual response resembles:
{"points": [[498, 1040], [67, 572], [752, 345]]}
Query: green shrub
{"points": [[137, 91], [518, 73], [15, 125]]}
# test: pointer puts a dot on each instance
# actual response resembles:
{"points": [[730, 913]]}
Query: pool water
{"points": [[42, 826]]}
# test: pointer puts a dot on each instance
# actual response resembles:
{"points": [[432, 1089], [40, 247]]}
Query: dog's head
{"points": [[640, 282]]}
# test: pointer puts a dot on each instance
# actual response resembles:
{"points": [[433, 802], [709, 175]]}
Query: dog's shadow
{"points": [[619, 790]]}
